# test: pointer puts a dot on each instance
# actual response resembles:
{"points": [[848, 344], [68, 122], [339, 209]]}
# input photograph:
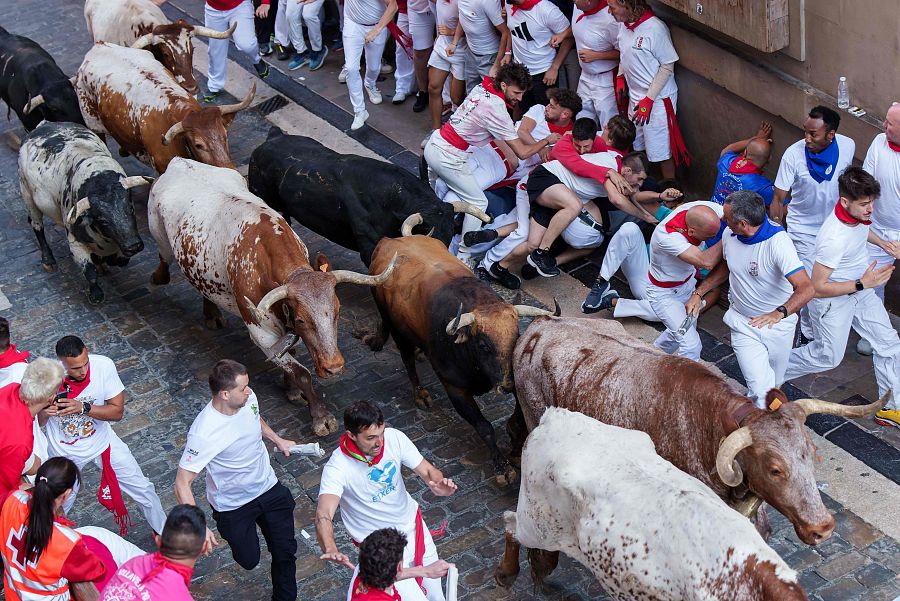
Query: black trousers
{"points": [[537, 94], [273, 512], [265, 27]]}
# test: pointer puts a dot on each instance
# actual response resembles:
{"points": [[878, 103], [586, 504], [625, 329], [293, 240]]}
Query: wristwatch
{"points": [[783, 310], [85, 407], [859, 286]]}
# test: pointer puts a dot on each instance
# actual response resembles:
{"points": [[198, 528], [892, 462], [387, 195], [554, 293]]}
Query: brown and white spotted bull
{"points": [[242, 256], [435, 303], [128, 94], [645, 529], [694, 416], [142, 24]]}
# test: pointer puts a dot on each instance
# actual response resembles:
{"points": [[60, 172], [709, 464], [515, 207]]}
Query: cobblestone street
{"points": [[163, 352]]}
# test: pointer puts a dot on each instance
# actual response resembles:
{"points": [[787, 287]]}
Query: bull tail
{"points": [[274, 131]]}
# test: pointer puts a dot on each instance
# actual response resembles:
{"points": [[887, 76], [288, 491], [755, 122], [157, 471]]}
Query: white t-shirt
{"points": [[843, 248], [538, 114], [481, 117], [12, 374], [81, 437], [665, 246], [231, 449], [642, 52], [446, 13], [364, 12], [811, 202], [884, 164], [595, 32], [585, 188], [531, 31], [479, 19], [373, 497], [758, 272]]}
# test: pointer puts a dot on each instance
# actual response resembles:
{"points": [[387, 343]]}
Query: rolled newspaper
{"points": [[309, 448], [452, 577]]}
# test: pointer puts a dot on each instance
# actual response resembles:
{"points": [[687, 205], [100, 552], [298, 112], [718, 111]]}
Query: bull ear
{"points": [[322, 263], [75, 213]]}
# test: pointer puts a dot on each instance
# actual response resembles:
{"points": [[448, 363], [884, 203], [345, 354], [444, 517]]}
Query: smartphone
{"points": [[62, 394]]}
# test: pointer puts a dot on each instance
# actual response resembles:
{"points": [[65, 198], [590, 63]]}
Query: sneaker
{"points": [[599, 298], [528, 272], [359, 119], [421, 102], [864, 347], [262, 69], [282, 53], [386, 69], [342, 76], [298, 61], [888, 417], [479, 237], [504, 277], [317, 59], [338, 44], [425, 139], [399, 98], [265, 49], [210, 97], [802, 340], [543, 262], [374, 94], [482, 274]]}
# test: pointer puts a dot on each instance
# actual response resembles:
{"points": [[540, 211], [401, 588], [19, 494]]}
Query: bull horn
{"points": [[135, 180], [148, 39], [227, 109], [173, 131], [528, 311], [461, 206], [206, 32], [460, 321], [273, 296], [409, 223], [811, 406], [351, 277], [33, 104], [77, 211], [729, 470]]}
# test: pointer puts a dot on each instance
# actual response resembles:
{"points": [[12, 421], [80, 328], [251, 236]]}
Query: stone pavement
{"points": [[156, 337]]}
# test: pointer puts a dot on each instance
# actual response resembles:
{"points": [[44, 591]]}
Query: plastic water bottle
{"points": [[843, 94]]}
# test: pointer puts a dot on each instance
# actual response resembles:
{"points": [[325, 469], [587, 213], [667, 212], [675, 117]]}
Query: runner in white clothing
{"points": [[596, 32], [220, 15], [487, 38], [767, 287], [447, 60], [363, 477], [365, 29], [844, 276]]}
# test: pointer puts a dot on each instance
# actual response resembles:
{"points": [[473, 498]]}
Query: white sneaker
{"points": [[386, 68], [425, 141], [359, 119], [342, 76], [399, 98], [374, 94]]}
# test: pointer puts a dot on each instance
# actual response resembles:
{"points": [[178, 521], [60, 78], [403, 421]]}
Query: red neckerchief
{"points": [[678, 224], [349, 448], [64, 522], [76, 387], [11, 356], [361, 592], [110, 494], [559, 129], [741, 165], [488, 84], [593, 11], [632, 26], [894, 147], [526, 5], [164, 563], [845, 217]]}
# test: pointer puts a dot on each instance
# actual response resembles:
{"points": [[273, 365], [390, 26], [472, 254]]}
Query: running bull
{"points": [[353, 201], [242, 256], [128, 94], [32, 85], [644, 528], [435, 303], [67, 174]]}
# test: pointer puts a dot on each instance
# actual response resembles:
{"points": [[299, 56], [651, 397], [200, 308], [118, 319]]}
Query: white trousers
{"points": [[404, 75], [132, 481], [598, 98], [354, 36], [244, 37], [521, 215], [668, 304], [310, 14], [876, 253], [628, 251], [806, 252], [762, 353], [282, 29], [120, 549], [831, 320]]}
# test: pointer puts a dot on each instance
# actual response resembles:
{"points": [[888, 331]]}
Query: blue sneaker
{"points": [[298, 61], [317, 59], [599, 298]]}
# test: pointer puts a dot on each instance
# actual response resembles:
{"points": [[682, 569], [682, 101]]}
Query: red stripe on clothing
{"points": [[453, 138]]}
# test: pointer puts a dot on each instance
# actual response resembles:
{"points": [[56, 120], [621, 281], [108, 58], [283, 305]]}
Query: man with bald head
{"points": [[741, 167], [675, 255]]}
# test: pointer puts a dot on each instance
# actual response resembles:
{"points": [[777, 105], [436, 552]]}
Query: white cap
{"points": [[843, 79]]}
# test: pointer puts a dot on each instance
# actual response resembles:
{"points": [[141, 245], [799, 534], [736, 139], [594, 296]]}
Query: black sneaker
{"points": [[543, 262], [482, 274], [528, 272], [262, 69], [282, 53], [210, 97], [265, 49], [421, 102], [503, 277], [802, 340], [599, 298], [479, 237]]}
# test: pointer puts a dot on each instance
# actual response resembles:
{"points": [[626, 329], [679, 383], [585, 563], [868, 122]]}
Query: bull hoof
{"points": [[294, 395], [324, 425], [503, 579], [506, 474], [160, 278], [123, 152], [422, 398], [374, 342], [215, 323], [49, 267], [95, 295]]}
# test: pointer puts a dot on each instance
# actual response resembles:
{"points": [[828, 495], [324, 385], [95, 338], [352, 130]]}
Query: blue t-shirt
{"points": [[728, 182]]}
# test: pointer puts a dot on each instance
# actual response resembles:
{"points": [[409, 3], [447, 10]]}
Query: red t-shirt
{"points": [[227, 4], [16, 439]]}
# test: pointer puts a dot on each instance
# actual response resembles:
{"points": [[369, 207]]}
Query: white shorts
{"points": [[598, 97], [454, 65], [654, 136], [422, 29], [578, 234]]}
